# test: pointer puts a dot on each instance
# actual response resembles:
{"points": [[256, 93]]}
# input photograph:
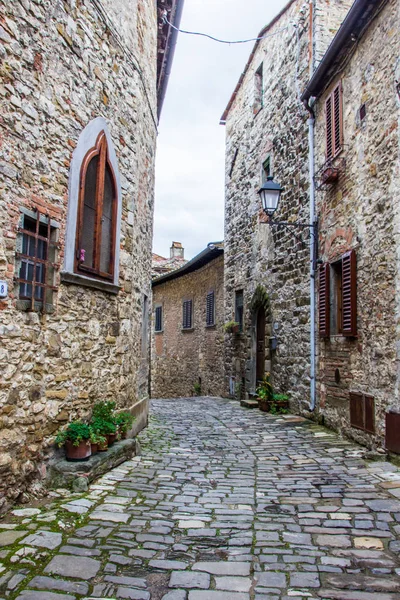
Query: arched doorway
{"points": [[260, 354]]}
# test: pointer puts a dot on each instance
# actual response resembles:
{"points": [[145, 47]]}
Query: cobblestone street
{"points": [[224, 504]]}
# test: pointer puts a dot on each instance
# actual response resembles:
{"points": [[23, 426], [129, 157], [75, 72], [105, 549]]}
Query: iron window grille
{"points": [[37, 262], [158, 319], [210, 309]]}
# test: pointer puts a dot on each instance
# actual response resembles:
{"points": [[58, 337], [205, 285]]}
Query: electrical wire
{"points": [[224, 41]]}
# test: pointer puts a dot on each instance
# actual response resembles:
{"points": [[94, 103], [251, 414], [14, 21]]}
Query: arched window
{"points": [[97, 214], [93, 232]]}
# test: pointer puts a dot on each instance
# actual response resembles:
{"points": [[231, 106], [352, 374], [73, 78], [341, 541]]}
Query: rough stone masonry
{"points": [[64, 64]]}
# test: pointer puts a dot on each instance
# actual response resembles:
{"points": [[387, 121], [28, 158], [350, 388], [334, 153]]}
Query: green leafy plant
{"points": [[104, 410], [124, 421], [75, 432], [96, 437], [231, 326], [103, 427], [265, 390], [197, 389]]}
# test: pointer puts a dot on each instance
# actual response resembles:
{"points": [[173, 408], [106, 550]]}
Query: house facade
{"points": [[79, 121], [187, 329], [357, 112], [267, 269]]}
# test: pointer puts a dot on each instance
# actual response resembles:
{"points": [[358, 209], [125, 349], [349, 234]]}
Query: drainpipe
{"points": [[313, 254]]}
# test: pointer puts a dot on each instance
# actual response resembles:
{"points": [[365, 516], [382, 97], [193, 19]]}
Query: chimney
{"points": [[177, 251]]}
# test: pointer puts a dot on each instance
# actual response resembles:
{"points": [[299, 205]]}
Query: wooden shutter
{"points": [[329, 128], [158, 325], [356, 410], [349, 294], [369, 407], [324, 300], [337, 118], [210, 309], [187, 314]]}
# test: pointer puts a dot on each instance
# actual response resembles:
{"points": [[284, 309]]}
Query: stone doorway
{"points": [[261, 326], [260, 352]]}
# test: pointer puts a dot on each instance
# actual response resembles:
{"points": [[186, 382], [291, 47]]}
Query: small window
{"points": [[266, 169], [338, 297], [97, 214], [239, 308], [158, 326], [210, 309], [187, 314], [36, 253], [334, 122], [258, 89]]}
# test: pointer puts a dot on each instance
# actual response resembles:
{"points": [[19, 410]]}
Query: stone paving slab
{"points": [[223, 504]]}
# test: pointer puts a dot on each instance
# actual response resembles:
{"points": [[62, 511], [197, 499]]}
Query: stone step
{"points": [[249, 403]]}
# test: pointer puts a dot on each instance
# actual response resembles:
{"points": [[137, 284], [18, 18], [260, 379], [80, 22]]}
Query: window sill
{"points": [[159, 332], [25, 305], [96, 284], [188, 330], [213, 326]]}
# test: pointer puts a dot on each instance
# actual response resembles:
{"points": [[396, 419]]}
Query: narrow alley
{"points": [[223, 504]]}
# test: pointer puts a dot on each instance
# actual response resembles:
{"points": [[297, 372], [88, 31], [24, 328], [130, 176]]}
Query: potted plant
{"points": [[76, 440], [124, 421], [97, 440], [265, 393], [279, 404], [232, 327], [106, 429], [103, 420]]}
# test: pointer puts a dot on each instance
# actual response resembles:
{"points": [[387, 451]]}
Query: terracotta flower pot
{"points": [[111, 438], [263, 404], [95, 448], [102, 447], [77, 453]]}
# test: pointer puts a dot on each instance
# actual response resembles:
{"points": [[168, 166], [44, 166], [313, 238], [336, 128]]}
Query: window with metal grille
{"points": [[187, 314], [158, 321], [338, 297], [334, 122], [36, 255], [97, 214], [210, 309], [239, 308]]}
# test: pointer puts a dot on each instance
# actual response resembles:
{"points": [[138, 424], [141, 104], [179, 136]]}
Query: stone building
{"points": [[161, 265], [267, 269], [357, 149], [78, 98], [187, 328]]}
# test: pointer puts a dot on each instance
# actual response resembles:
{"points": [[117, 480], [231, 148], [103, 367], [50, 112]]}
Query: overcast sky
{"points": [[191, 144]]}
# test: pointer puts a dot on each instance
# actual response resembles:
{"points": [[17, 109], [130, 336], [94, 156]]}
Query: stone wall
{"points": [[180, 359], [256, 254], [64, 63], [361, 212]]}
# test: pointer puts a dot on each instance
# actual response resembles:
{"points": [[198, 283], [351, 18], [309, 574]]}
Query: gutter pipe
{"points": [[313, 254]]}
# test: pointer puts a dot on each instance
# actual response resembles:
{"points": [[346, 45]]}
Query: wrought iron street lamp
{"points": [[270, 193]]}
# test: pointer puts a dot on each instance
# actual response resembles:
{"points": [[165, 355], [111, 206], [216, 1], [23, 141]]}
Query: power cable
{"points": [[263, 37]]}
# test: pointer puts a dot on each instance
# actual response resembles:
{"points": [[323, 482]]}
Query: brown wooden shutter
{"points": [[210, 311], [187, 314], [369, 413], [329, 128], [324, 312], [349, 294], [337, 119], [356, 410]]}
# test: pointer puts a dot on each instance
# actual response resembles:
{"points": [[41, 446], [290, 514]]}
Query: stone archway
{"points": [[261, 327]]}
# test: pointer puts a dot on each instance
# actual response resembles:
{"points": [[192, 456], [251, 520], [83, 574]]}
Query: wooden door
{"points": [[260, 369]]}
